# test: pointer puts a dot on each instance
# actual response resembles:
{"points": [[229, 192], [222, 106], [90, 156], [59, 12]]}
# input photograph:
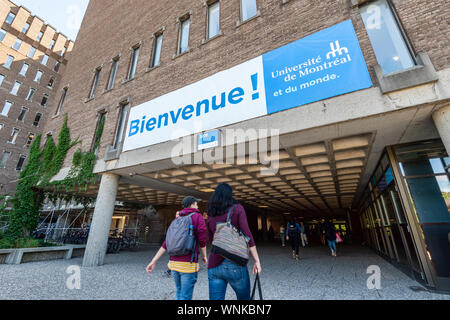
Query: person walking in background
{"points": [[283, 235], [322, 231], [330, 235], [185, 267], [303, 236], [221, 271], [271, 234], [293, 235]]}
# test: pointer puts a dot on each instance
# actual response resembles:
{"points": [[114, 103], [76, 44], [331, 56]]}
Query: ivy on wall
{"points": [[36, 177]]}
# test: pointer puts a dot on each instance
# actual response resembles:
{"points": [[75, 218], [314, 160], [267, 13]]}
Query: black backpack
{"points": [[292, 231]]}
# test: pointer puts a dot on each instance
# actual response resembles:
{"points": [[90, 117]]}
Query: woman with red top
{"points": [[185, 268], [222, 272]]}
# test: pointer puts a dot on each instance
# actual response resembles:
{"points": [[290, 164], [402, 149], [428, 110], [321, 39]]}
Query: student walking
{"points": [[221, 271], [283, 235], [187, 233], [330, 235], [293, 235], [303, 236]]}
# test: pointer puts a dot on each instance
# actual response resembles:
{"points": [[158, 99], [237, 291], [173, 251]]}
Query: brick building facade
{"points": [[33, 56]]}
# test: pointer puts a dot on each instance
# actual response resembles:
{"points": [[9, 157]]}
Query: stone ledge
{"points": [[18, 256]]}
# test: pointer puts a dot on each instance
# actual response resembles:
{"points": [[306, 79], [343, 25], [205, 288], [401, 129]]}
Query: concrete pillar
{"points": [[441, 119], [101, 221]]}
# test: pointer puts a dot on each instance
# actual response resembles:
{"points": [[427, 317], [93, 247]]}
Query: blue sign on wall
{"points": [[323, 65]]}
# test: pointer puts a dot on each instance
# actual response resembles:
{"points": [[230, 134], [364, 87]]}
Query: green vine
{"points": [[36, 177]]}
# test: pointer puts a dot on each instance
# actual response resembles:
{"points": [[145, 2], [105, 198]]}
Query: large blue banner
{"points": [[323, 65]]}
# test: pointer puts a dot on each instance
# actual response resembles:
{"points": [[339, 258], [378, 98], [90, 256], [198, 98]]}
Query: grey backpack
{"points": [[180, 238]]}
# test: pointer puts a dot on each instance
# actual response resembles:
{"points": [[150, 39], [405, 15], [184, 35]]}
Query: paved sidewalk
{"points": [[316, 276]]}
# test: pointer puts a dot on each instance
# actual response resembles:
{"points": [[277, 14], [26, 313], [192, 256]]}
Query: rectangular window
{"points": [[248, 9], [10, 18], [39, 37], [2, 77], [63, 51], [44, 100], [57, 65], [29, 139], [31, 53], [26, 27], [389, 44], [157, 51], [37, 119], [51, 83], [31, 94], [2, 125], [38, 77], [8, 62], [121, 126], [22, 114], [61, 101], [6, 108], [133, 64], [112, 75], [44, 60], [213, 19], [20, 163], [13, 137], [52, 44], [2, 34], [96, 142], [4, 160], [23, 71], [94, 83], [15, 88], [183, 43], [17, 44]]}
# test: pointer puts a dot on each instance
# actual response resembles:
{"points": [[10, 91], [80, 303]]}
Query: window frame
{"points": [[3, 166], [14, 134], [30, 94], [21, 157], [40, 78], [123, 112], [157, 35], [14, 86], [44, 96], [113, 73], [9, 109], [12, 60], [24, 111], [62, 99], [19, 41], [38, 121], [95, 82], [26, 71], [241, 18], [134, 60], [7, 17], [209, 5], [183, 19], [26, 30]]}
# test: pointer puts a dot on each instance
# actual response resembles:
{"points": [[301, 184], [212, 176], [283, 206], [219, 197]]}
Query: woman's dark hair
{"points": [[221, 200]]}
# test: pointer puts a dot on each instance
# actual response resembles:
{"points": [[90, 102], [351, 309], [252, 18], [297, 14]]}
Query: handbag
{"points": [[257, 282], [231, 243], [338, 238]]}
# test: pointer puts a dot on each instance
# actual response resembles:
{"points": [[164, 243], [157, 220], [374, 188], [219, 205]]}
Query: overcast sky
{"points": [[64, 15]]}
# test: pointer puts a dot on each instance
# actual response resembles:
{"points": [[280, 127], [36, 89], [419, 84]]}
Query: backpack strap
{"points": [[230, 214]]}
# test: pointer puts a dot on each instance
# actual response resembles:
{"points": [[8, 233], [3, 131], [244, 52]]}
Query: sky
{"points": [[63, 15]]}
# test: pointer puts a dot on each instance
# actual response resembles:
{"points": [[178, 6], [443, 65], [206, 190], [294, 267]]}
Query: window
{"points": [[17, 44], [31, 53], [183, 43], [26, 27], [20, 163], [13, 137], [112, 75], [15, 88], [95, 83], [133, 64], [52, 44], [120, 126], [38, 76], [4, 160], [156, 58], [248, 9], [388, 42], [37, 119], [61, 101], [10, 18], [2, 125], [44, 100], [23, 71], [97, 137], [57, 65], [63, 51], [2, 34], [29, 139], [31, 94], [22, 114], [2, 77], [8, 62], [39, 37], [6, 108], [51, 83], [213, 19], [44, 60]]}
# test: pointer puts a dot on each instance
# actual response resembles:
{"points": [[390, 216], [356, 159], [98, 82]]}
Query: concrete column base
{"points": [[441, 119], [101, 221]]}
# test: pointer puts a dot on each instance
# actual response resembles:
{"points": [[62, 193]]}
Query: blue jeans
{"points": [[229, 273], [283, 239], [332, 245], [184, 283]]}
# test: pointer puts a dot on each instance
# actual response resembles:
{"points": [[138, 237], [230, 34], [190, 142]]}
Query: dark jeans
{"points": [[184, 283], [229, 273], [295, 244]]}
